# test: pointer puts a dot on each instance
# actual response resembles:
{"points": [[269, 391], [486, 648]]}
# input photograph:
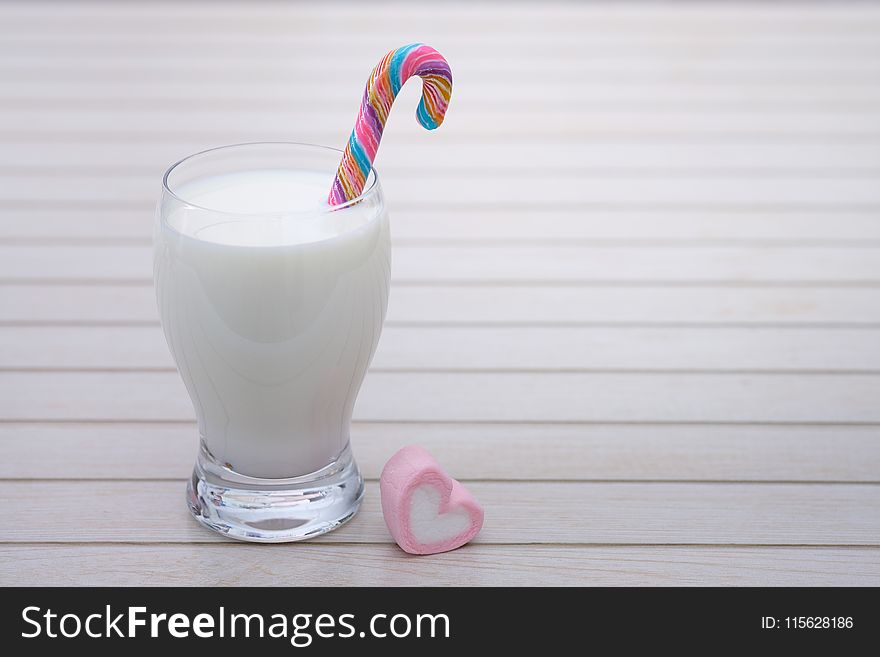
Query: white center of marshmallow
{"points": [[427, 524]]}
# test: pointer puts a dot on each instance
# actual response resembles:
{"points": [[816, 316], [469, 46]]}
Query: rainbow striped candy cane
{"points": [[385, 82]]}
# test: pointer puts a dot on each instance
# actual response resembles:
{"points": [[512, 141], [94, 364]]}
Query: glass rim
{"points": [[369, 190]]}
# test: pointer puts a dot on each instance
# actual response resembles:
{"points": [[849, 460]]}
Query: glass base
{"points": [[274, 510]]}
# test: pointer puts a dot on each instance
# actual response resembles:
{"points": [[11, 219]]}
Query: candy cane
{"points": [[384, 83]]}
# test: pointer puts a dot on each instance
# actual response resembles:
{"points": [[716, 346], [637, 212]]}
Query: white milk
{"points": [[272, 321]]}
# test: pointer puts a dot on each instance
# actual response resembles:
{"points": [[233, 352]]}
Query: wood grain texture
{"points": [[491, 348], [46, 222], [562, 190], [482, 397], [582, 513], [485, 451], [49, 159], [677, 15], [504, 264], [486, 124], [283, 35], [636, 298], [310, 564], [482, 66], [500, 305], [798, 96]]}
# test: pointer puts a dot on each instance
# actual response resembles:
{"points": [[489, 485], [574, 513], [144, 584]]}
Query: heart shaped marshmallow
{"points": [[426, 510]]}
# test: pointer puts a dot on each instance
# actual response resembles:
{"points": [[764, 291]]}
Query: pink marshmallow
{"points": [[426, 510]]}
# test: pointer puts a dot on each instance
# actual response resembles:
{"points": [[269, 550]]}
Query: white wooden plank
{"points": [[624, 397], [500, 305], [633, 65], [653, 264], [626, 157], [309, 564], [590, 225], [491, 348], [481, 397], [475, 263], [362, 50], [472, 67], [411, 136], [475, 72], [792, 17], [461, 120], [551, 192], [213, 91], [591, 513], [132, 36], [479, 451]]}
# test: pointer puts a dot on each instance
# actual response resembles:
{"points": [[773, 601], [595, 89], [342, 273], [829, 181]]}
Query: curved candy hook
{"points": [[384, 83]]}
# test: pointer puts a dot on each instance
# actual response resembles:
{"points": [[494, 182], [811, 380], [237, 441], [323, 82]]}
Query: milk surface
{"points": [[272, 311]]}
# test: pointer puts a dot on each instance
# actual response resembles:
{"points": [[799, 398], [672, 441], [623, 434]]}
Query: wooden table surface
{"points": [[636, 287]]}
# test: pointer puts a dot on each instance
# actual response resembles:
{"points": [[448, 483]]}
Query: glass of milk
{"points": [[272, 304]]}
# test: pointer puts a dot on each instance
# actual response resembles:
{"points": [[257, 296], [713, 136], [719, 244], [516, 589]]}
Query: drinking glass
{"points": [[272, 304]]}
